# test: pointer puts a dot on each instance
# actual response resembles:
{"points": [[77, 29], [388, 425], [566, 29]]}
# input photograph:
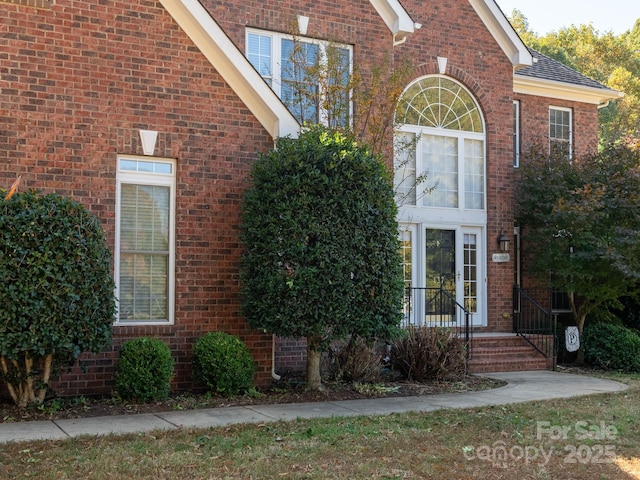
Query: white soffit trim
{"points": [[503, 32], [396, 18], [563, 91], [237, 71]]}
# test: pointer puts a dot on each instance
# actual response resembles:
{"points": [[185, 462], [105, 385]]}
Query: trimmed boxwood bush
{"points": [[144, 370], [223, 363], [612, 347]]}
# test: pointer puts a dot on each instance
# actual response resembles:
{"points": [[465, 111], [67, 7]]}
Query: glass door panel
{"points": [[440, 275]]}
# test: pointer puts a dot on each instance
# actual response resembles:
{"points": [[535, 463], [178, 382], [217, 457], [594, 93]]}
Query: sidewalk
{"points": [[521, 387]]}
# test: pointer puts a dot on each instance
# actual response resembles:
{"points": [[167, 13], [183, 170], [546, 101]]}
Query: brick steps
{"points": [[502, 353]]}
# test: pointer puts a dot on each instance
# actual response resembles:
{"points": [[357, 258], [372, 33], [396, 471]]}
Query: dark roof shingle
{"points": [[546, 68]]}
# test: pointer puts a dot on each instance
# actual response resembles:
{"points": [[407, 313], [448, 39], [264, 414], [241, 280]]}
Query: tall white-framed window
{"points": [[440, 185], [443, 152], [145, 240], [560, 131], [516, 133], [310, 76]]}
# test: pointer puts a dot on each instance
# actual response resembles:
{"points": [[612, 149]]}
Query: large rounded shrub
{"points": [[57, 295], [612, 347], [144, 370], [223, 363], [322, 251]]}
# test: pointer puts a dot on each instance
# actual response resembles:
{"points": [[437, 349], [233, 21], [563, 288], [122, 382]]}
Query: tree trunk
{"points": [[314, 381], [22, 389]]}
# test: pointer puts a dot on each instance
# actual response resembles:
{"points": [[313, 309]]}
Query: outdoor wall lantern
{"points": [[503, 242]]}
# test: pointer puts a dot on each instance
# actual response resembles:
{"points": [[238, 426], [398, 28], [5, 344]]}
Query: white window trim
{"points": [[516, 134], [562, 109], [148, 178], [276, 56]]}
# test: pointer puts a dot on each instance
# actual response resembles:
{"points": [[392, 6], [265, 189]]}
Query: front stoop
{"points": [[505, 353]]}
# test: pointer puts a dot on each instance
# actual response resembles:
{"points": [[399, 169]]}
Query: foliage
{"points": [[613, 60], [612, 347], [581, 223], [144, 370], [355, 361], [57, 296], [425, 353], [223, 363], [322, 253]]}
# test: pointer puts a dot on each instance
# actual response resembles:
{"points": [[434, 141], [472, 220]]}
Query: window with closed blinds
{"points": [[145, 241]]}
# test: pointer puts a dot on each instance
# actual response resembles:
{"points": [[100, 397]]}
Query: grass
{"points": [[594, 437]]}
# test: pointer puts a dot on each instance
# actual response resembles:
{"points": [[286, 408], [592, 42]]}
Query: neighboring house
{"points": [[151, 114]]}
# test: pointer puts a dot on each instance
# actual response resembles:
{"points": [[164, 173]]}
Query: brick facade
{"points": [[534, 123], [80, 79]]}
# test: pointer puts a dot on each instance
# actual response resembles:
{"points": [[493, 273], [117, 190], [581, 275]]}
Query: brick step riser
{"points": [[516, 351], [490, 343], [503, 354], [497, 367]]}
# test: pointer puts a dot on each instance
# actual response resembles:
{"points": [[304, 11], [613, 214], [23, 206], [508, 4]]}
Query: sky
{"points": [[545, 16]]}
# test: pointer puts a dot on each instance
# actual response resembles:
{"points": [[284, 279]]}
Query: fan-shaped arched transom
{"points": [[440, 102]]}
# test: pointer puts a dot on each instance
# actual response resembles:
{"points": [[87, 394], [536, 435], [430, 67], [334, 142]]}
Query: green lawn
{"points": [[595, 437]]}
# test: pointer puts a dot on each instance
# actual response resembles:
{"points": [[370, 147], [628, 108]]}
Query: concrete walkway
{"points": [[521, 387]]}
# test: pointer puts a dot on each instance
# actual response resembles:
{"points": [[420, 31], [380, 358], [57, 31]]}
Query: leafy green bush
{"points": [[424, 353], [322, 251], [144, 370], [223, 363], [57, 296], [355, 361], [612, 347]]}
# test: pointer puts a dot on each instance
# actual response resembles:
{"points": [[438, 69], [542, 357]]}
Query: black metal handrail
{"points": [[436, 307], [535, 324]]}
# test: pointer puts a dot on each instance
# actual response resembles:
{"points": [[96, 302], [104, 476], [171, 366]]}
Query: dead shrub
{"points": [[354, 361], [427, 353]]}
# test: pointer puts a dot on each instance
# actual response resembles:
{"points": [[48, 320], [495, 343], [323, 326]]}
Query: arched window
{"points": [[440, 152]]}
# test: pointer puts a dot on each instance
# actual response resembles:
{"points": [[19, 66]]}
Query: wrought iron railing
{"points": [[535, 324], [436, 307]]}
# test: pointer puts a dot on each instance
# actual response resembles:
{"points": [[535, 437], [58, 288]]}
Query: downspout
{"points": [[274, 375]]}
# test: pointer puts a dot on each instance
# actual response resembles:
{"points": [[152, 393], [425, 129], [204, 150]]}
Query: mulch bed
{"points": [[290, 389]]}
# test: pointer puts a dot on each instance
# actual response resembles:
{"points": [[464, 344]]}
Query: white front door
{"points": [[448, 259]]}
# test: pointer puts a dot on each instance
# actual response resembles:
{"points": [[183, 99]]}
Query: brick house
{"points": [[151, 114]]}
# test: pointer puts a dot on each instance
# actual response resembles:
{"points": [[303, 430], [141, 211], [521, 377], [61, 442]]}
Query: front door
{"points": [[448, 269]]}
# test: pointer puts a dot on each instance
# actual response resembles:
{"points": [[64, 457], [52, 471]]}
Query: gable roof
{"points": [[502, 31], [396, 17], [238, 72], [549, 78]]}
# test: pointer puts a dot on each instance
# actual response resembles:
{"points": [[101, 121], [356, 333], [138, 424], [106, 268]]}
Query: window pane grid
{"points": [[474, 174], [470, 273], [440, 103], [440, 163]]}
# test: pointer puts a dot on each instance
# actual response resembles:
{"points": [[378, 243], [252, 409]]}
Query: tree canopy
{"points": [[57, 298], [613, 60], [322, 251], [581, 224]]}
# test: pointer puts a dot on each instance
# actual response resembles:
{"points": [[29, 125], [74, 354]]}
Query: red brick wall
{"points": [[534, 123], [78, 82]]}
